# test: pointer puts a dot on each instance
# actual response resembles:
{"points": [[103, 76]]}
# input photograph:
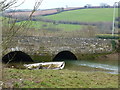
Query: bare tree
{"points": [[10, 30], [104, 5], [6, 4]]}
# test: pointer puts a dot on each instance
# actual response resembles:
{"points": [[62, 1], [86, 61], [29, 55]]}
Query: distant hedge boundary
{"points": [[108, 36], [19, 19]]}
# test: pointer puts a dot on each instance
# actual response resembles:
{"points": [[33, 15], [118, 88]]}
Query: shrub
{"points": [[108, 36], [113, 44]]}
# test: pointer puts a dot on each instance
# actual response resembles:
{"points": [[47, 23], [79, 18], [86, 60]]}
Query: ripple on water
{"points": [[96, 66]]}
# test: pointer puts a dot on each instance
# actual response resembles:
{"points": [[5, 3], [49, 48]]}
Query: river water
{"points": [[108, 66]]}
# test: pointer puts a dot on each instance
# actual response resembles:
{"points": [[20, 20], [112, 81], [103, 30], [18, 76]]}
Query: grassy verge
{"points": [[94, 56], [15, 78]]}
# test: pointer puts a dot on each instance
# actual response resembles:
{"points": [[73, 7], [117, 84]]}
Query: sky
{"points": [[48, 4]]}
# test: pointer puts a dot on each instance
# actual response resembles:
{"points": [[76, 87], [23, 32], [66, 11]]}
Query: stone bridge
{"points": [[56, 48]]}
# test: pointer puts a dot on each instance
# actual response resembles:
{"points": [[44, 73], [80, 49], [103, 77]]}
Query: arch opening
{"points": [[16, 56], [64, 55]]}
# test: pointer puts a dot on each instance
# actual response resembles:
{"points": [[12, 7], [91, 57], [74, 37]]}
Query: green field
{"points": [[85, 15], [17, 78], [51, 26], [82, 15], [1, 17]]}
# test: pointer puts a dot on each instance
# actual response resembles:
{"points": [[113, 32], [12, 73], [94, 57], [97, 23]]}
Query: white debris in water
{"points": [[1, 83]]}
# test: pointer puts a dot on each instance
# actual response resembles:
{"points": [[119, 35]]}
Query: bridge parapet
{"points": [[54, 44]]}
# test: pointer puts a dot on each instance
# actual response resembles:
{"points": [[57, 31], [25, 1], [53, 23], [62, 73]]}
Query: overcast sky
{"points": [[48, 4]]}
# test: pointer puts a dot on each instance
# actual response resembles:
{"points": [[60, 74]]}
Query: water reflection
{"points": [[92, 66]]}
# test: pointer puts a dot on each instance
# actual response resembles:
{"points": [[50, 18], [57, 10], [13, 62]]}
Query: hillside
{"points": [[82, 15], [85, 15], [101, 18]]}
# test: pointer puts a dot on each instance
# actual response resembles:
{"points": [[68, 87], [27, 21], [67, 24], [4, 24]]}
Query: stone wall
{"points": [[53, 45]]}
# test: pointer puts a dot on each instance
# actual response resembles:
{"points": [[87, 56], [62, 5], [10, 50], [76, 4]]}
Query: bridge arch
{"points": [[16, 56], [64, 55]]}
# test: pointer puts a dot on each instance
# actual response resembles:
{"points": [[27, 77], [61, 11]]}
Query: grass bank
{"points": [[16, 78], [95, 56]]}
